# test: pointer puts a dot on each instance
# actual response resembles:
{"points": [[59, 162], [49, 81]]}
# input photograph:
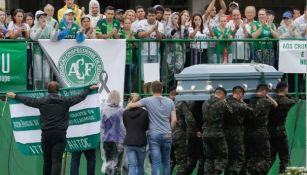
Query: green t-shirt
{"points": [[222, 44], [103, 27], [109, 28], [72, 31], [128, 49], [265, 34]]}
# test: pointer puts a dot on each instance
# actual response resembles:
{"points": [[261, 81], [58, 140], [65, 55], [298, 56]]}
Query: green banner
{"points": [[13, 66]]}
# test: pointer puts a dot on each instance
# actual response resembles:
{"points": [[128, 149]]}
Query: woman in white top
{"points": [[286, 28], [17, 29], [175, 51], [199, 32]]}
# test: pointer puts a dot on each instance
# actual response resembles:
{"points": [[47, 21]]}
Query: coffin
{"points": [[199, 81]]}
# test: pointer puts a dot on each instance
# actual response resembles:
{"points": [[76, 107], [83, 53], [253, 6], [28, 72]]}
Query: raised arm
{"points": [[33, 102]]}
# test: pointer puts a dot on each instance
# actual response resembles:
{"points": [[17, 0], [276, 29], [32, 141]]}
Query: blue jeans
{"points": [[91, 161], [136, 158], [160, 149]]}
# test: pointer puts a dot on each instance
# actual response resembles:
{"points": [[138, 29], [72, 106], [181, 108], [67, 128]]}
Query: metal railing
{"points": [[174, 55]]}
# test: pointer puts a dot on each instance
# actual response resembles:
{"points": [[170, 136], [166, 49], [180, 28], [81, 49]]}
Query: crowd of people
{"points": [[218, 135], [158, 23]]}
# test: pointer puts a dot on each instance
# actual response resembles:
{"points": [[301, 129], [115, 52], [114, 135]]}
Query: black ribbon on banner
{"points": [[103, 79]]}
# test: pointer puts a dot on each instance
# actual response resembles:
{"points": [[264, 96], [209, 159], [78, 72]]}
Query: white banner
{"points": [[90, 62], [292, 56], [83, 132]]}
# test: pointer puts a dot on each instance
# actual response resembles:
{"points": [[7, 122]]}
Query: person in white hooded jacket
{"points": [[94, 12], [41, 30]]}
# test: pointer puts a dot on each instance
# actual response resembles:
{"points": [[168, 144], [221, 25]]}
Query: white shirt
{"points": [[238, 47], [200, 36], [135, 24], [300, 25], [95, 19], [14, 28], [144, 26]]}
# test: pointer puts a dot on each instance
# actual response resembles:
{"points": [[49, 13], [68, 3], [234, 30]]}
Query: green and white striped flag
{"points": [[84, 122]]}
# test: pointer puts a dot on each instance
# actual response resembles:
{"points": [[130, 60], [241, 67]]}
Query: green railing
{"points": [[176, 54]]}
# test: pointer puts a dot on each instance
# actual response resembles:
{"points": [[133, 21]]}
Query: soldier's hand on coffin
{"points": [[11, 94]]}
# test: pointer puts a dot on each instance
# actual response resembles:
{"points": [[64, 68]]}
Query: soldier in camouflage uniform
{"points": [[216, 151], [184, 126], [258, 145], [234, 131], [195, 143], [276, 126]]}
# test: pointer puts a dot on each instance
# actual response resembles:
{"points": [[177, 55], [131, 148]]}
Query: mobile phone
{"points": [[55, 24]]}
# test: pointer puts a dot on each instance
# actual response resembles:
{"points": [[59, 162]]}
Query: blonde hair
{"points": [[250, 7], [128, 11], [114, 97], [134, 97]]}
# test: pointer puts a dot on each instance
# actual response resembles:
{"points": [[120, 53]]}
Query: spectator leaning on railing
{"points": [[198, 31], [68, 29], [41, 30], [17, 29], [211, 19], [87, 28], [175, 51], [130, 56], [286, 28], [140, 15], [263, 29], [300, 24], [223, 48], [239, 30], [150, 29], [109, 27]]}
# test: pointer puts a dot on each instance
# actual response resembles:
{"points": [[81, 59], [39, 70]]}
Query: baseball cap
{"points": [[120, 11], [39, 13], [69, 11], [234, 3], [287, 14]]}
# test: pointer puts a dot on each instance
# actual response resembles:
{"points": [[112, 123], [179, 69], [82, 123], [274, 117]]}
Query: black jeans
{"points": [[53, 145], [91, 161]]}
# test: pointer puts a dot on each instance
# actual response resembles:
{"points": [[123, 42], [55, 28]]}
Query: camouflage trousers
{"points": [[279, 145], [236, 151], [196, 155], [181, 154], [216, 152], [258, 154]]}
